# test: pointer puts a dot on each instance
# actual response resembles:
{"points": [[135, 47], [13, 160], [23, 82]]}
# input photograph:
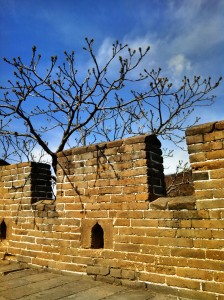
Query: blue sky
{"points": [[186, 36]]}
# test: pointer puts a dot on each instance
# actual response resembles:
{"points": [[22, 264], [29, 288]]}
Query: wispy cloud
{"points": [[170, 163], [179, 64], [186, 37]]}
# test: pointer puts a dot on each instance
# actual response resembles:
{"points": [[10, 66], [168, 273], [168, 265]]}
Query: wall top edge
{"points": [[146, 138], [205, 128], [23, 164]]}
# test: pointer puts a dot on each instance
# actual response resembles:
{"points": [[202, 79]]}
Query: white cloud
{"points": [[170, 163], [198, 25], [104, 52], [179, 64]]}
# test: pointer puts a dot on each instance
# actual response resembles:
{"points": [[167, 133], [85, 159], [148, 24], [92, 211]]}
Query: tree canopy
{"points": [[48, 110]]}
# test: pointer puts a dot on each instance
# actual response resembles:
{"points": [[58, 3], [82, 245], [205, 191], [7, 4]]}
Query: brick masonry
{"points": [[169, 244]]}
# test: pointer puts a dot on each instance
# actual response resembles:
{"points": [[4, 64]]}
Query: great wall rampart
{"points": [[111, 219]]}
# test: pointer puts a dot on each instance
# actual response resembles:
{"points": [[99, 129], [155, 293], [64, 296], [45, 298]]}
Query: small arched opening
{"points": [[97, 237], [3, 229]]}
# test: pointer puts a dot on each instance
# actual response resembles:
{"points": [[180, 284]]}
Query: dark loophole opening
{"points": [[3, 229], [97, 237]]}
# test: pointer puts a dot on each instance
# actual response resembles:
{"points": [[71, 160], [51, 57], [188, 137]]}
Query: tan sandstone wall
{"points": [[111, 192], [21, 185]]}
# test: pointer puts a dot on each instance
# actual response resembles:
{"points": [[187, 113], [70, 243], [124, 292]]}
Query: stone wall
{"points": [[206, 149], [25, 183], [110, 221]]}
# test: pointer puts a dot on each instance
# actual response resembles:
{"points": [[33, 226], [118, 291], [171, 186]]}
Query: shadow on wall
{"points": [[97, 237], [3, 231]]}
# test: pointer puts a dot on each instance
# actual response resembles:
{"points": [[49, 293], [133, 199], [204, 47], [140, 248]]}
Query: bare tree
{"points": [[110, 101], [180, 183]]}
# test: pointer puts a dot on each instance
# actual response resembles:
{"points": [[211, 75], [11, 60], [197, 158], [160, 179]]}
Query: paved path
{"points": [[17, 282]]}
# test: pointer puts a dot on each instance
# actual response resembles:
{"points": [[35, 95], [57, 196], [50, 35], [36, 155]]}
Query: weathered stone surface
{"points": [[160, 203], [97, 270], [200, 129], [103, 223], [115, 272], [178, 203], [128, 274], [200, 176], [38, 284], [219, 125], [174, 203]]}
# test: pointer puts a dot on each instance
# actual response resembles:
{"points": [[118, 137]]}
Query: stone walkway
{"points": [[17, 282]]}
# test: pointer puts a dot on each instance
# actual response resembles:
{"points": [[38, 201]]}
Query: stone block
{"points": [[215, 154], [86, 228], [107, 279], [219, 125], [200, 129], [177, 203], [195, 139], [200, 176], [128, 274], [98, 270], [114, 272], [160, 203]]}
